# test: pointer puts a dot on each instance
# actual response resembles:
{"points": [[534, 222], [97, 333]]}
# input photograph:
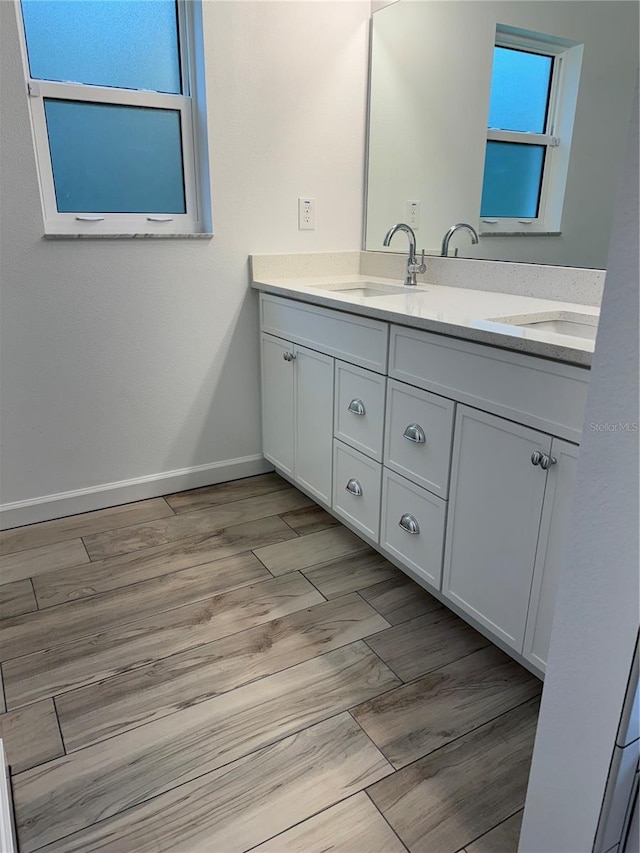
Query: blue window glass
{"points": [[129, 44], [109, 158], [512, 180], [519, 90]]}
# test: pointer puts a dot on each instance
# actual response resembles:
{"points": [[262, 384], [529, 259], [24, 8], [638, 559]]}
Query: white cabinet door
{"points": [[277, 402], [558, 498], [313, 396], [496, 500]]}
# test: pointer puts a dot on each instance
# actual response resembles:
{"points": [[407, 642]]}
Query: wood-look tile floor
{"points": [[230, 669]]}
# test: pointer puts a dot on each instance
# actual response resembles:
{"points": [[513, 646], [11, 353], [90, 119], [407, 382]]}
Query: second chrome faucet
{"points": [[464, 226], [413, 267]]}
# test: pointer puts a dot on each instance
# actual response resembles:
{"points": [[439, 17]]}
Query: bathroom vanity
{"points": [[451, 455]]}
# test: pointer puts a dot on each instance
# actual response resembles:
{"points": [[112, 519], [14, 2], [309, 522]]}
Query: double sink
{"points": [[561, 322]]}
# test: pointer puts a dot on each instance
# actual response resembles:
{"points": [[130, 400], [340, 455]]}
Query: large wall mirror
{"points": [[511, 115]]}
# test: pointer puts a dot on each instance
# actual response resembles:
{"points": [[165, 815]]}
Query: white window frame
{"points": [[563, 96], [189, 105]]}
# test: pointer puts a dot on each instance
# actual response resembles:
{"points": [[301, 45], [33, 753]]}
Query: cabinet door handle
{"points": [[409, 524], [536, 457], [356, 406], [354, 487], [414, 433], [288, 356], [547, 461]]}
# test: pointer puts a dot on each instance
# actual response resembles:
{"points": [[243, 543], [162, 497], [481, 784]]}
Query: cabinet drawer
{"points": [[356, 489], [418, 434], [412, 526], [543, 394], [346, 336], [359, 408]]}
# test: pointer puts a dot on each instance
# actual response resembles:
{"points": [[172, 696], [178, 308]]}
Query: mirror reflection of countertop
{"points": [[475, 315]]}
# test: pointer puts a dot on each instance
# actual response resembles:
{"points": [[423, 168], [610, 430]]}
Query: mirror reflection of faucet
{"points": [[412, 266], [460, 226]]}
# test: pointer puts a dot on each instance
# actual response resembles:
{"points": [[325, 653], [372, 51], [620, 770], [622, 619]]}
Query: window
{"points": [[112, 87], [532, 104]]}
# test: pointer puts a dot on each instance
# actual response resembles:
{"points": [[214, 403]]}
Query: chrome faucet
{"points": [[412, 266], [445, 243]]}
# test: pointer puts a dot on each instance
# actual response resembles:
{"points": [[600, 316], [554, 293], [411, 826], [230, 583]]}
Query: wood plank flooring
{"points": [[230, 669], [16, 598]]}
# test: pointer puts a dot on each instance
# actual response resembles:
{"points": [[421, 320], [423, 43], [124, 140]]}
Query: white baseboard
{"points": [[126, 491], [7, 835]]}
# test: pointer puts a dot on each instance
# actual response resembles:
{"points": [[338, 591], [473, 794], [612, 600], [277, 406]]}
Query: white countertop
{"points": [[453, 311]]}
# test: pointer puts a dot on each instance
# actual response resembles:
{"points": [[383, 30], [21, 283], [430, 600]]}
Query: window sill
{"points": [[199, 236]]}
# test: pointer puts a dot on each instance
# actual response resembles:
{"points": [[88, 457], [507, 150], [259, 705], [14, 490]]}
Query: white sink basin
{"points": [[368, 289], [559, 322]]}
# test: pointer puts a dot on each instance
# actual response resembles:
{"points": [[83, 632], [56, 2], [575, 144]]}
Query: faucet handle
{"points": [[413, 268], [418, 268]]}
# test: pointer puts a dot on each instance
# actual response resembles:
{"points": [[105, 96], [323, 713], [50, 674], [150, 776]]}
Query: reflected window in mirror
{"points": [[526, 158], [430, 76]]}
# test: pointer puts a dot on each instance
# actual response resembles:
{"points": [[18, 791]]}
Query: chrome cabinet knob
{"points": [[354, 487], [356, 406], [536, 457], [547, 462], [409, 524], [414, 433], [288, 356]]}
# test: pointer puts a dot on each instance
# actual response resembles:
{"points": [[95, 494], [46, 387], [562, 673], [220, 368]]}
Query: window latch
{"points": [[90, 218], [33, 89], [159, 218]]}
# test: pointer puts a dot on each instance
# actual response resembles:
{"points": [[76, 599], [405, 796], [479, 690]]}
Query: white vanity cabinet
{"points": [[454, 459], [297, 414]]}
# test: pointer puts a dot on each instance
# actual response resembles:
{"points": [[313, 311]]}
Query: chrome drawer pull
{"points": [[288, 356], [547, 461], [536, 457], [356, 406], [415, 433], [409, 523], [354, 487]]}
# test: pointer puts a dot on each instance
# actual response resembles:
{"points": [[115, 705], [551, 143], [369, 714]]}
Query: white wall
{"points": [[597, 611], [125, 358], [430, 85]]}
